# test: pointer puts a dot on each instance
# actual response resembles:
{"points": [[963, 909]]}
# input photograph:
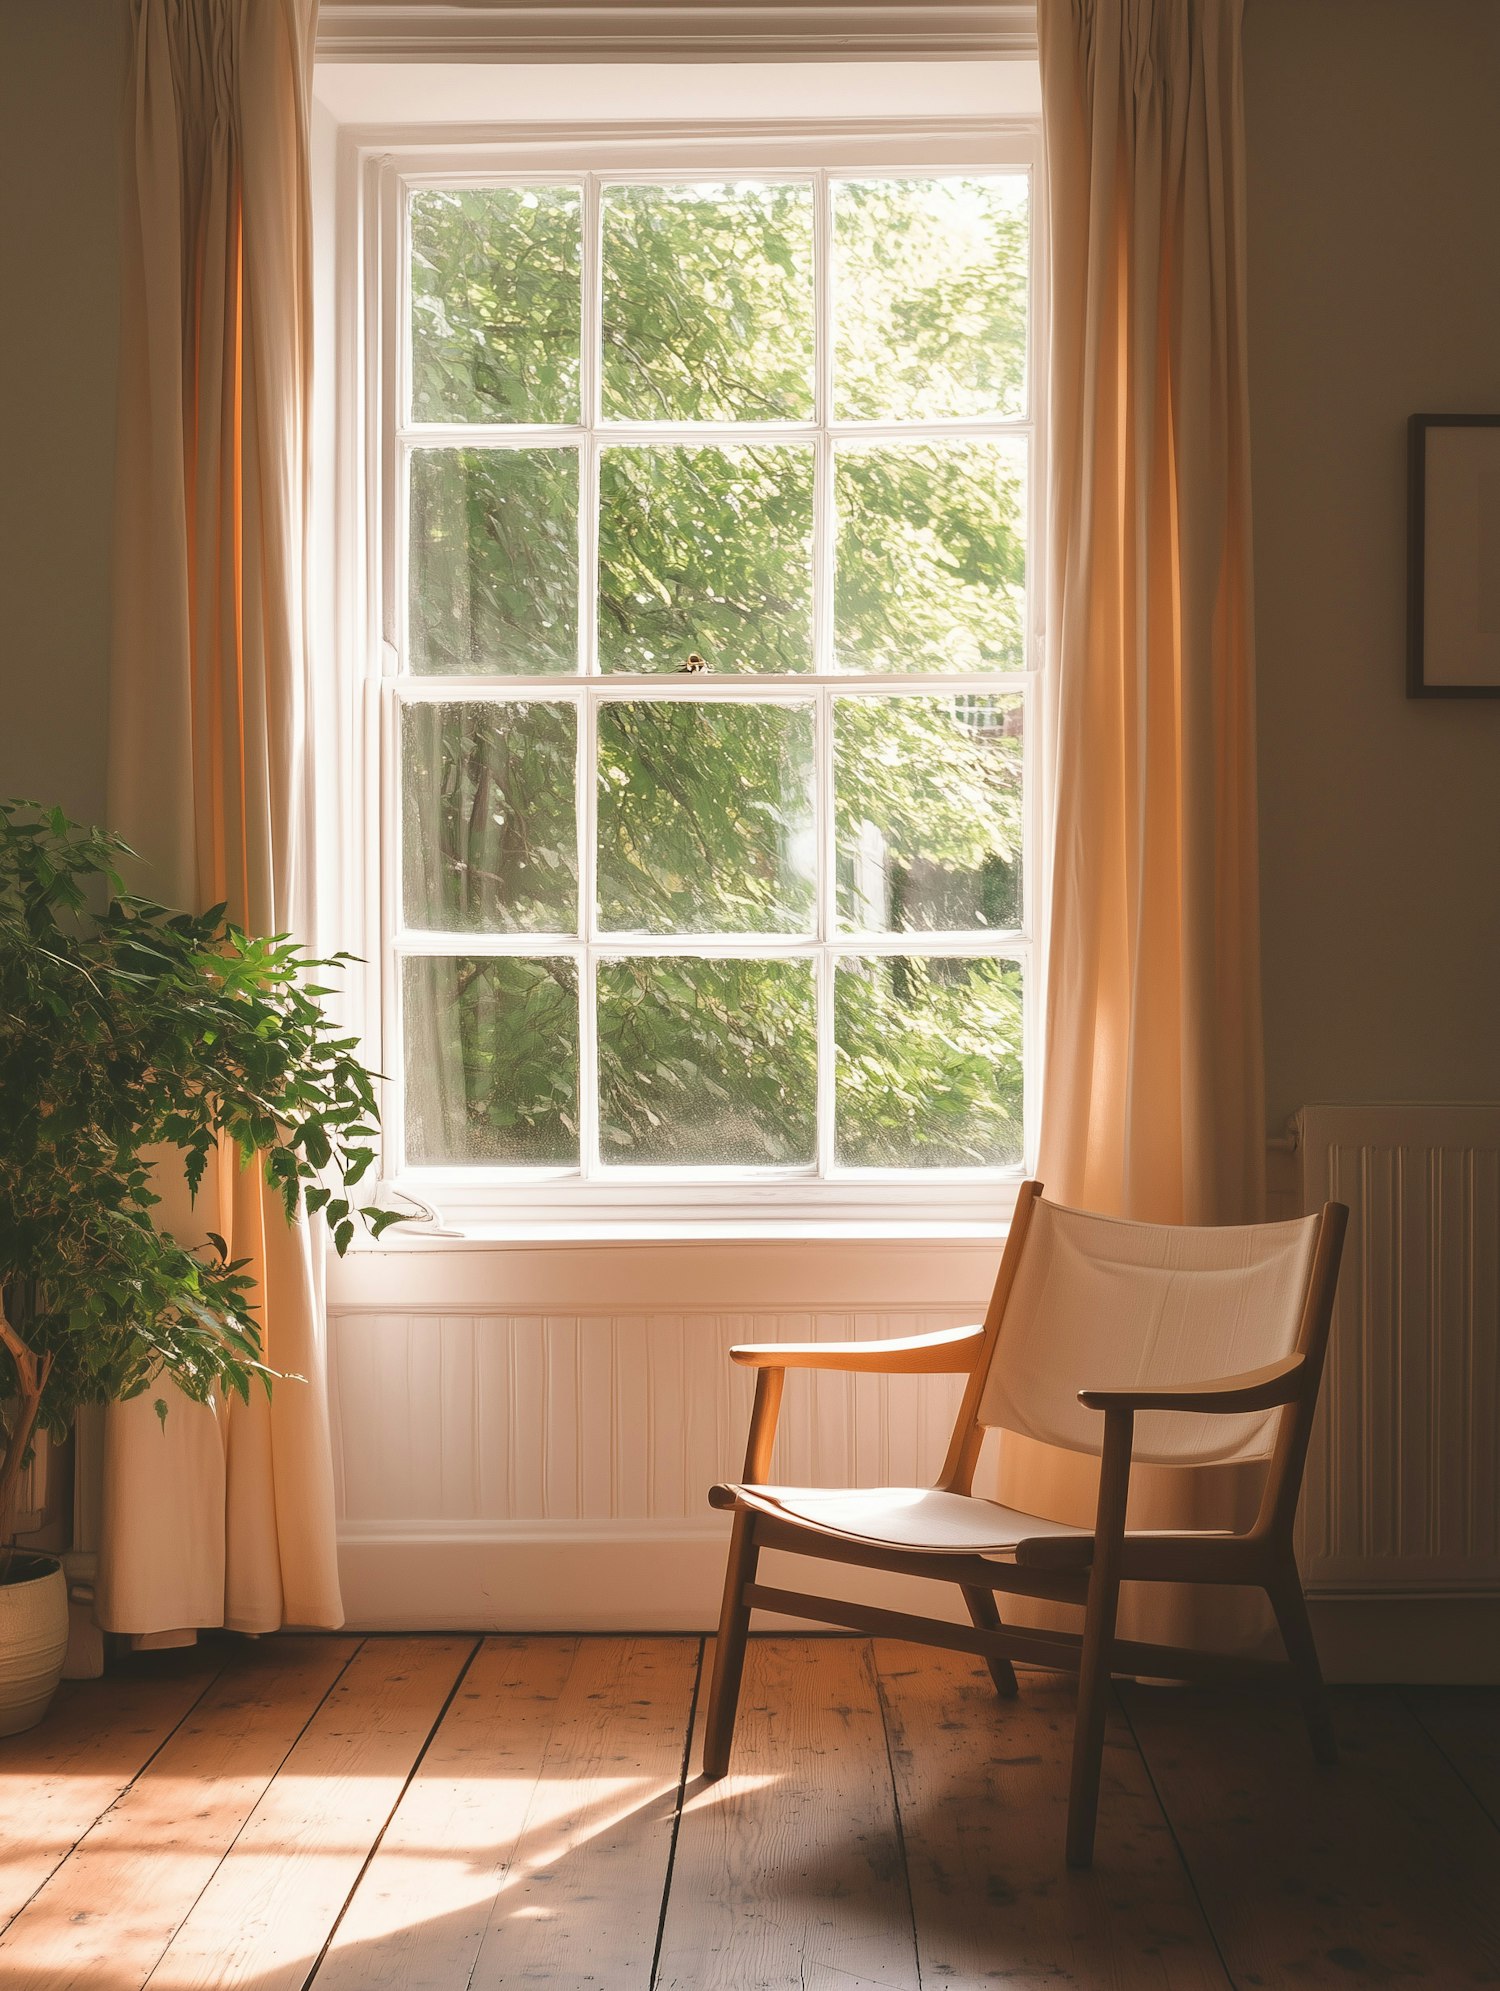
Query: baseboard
{"points": [[1414, 1640], [622, 1576], [632, 1576]]}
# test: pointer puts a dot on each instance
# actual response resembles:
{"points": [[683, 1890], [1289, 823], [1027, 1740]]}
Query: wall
{"points": [[61, 78], [1374, 164]]}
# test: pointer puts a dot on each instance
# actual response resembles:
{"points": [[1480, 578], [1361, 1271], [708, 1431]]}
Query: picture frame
{"points": [[1453, 557]]}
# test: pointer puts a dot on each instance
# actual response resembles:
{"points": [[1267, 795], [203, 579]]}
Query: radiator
{"points": [[1402, 1495]]}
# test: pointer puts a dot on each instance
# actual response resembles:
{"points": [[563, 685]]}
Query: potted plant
{"points": [[128, 1032]]}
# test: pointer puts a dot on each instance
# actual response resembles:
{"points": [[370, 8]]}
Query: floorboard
{"points": [[420, 1910], [58, 1778], [788, 1874], [532, 1846], [269, 1909], [104, 1918], [982, 1786], [1464, 1722], [457, 1814], [1382, 1871]]}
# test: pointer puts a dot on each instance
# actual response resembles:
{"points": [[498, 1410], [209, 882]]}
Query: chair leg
{"points": [[984, 1615], [729, 1650], [1290, 1607], [1098, 1637], [1088, 1731]]}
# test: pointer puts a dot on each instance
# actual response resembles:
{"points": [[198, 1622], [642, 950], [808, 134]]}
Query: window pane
{"points": [[491, 1060], [928, 1071], [707, 1062], [708, 303], [927, 805], [706, 551], [930, 296], [496, 290], [706, 817], [494, 561], [931, 557], [488, 830]]}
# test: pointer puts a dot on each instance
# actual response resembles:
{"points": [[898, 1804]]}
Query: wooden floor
{"points": [[454, 1812]]}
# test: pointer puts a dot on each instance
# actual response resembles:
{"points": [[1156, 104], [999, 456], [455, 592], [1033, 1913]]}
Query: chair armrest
{"points": [[951, 1351], [1257, 1389]]}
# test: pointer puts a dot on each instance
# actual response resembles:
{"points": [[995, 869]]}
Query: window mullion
{"points": [[823, 515], [827, 920], [588, 1036], [590, 368], [823, 659]]}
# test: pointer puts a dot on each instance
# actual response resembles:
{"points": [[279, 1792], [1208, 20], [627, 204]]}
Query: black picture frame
{"points": [[1418, 662]]}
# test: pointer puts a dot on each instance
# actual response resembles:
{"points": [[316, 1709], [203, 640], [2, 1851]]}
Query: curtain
{"points": [[220, 1515], [1152, 1097]]}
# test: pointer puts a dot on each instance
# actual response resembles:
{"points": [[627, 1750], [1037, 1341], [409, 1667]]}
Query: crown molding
{"points": [[676, 31]]}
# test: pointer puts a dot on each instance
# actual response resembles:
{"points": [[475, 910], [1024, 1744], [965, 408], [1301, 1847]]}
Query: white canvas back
{"points": [[1102, 1304]]}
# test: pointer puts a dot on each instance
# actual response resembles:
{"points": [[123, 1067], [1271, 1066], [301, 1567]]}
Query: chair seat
{"points": [[908, 1517]]}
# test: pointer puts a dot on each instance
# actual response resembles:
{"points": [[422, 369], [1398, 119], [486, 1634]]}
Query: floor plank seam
{"points": [[136, 1776], [250, 1813], [1403, 1695], [687, 1764], [890, 1764], [375, 1845], [1181, 1851]]}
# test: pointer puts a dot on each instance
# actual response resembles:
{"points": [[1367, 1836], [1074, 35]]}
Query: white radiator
{"points": [[1402, 1495]]}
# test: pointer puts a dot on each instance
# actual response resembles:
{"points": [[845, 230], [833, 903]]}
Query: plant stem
{"points": [[31, 1379]]}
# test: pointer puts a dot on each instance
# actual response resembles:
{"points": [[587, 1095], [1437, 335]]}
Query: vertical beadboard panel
{"points": [[595, 1417], [1402, 1492]]}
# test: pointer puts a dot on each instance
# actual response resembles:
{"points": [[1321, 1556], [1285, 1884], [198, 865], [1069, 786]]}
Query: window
{"points": [[710, 685]]}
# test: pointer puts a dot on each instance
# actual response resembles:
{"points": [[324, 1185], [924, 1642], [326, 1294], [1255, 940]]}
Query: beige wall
{"points": [[1375, 291], [61, 77], [1374, 184]]}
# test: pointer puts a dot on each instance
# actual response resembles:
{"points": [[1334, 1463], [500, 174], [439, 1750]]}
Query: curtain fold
{"points": [[1152, 1101], [222, 1515]]}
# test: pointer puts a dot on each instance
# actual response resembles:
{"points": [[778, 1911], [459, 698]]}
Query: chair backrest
{"points": [[1097, 1303]]}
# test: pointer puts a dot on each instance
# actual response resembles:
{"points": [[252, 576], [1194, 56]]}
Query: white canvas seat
{"points": [[1120, 1341], [908, 1517]]}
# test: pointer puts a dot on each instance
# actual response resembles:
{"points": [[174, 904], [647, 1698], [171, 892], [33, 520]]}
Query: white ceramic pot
{"points": [[33, 1637]]}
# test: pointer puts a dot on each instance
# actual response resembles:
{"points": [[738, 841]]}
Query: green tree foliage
{"points": [[705, 819]]}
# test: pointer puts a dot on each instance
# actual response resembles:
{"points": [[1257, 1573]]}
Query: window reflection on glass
{"points": [[928, 1063], [489, 838], [712, 1063], [707, 303], [928, 810], [496, 304], [706, 817], [491, 1055], [707, 552]]}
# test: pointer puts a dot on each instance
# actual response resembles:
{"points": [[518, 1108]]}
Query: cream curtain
{"points": [[1152, 1101], [221, 1516], [1153, 1096]]}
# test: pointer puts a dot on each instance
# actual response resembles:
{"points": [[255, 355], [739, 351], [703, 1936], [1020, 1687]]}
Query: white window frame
{"points": [[378, 172]]}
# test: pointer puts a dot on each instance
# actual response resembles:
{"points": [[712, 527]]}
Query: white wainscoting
{"points": [[525, 1435]]}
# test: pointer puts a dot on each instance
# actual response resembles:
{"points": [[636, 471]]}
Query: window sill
{"points": [[475, 1235], [682, 1267], [479, 1209]]}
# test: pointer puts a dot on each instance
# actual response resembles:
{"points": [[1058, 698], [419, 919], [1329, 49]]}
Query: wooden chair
{"points": [[1195, 1345]]}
